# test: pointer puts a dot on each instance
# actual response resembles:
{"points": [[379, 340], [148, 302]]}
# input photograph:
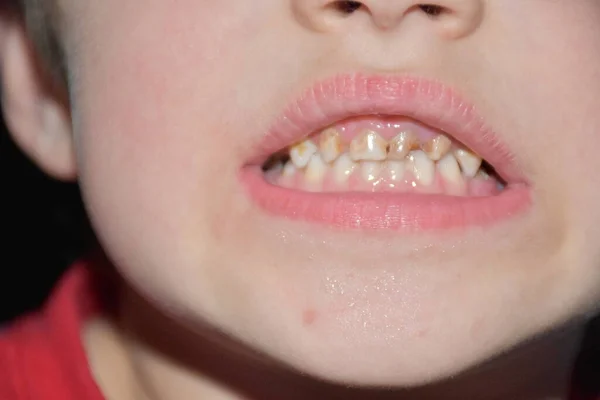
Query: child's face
{"points": [[171, 99]]}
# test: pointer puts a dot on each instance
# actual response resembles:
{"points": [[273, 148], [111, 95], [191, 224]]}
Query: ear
{"points": [[36, 109]]}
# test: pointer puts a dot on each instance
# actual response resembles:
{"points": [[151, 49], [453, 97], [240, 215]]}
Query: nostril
{"points": [[432, 10], [347, 7]]}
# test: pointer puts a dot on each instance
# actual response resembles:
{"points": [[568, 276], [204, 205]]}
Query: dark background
{"points": [[42, 229]]}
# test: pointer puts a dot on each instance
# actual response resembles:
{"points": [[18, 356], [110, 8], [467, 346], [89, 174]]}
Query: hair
{"points": [[42, 22]]}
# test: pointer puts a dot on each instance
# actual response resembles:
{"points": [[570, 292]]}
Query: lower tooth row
{"points": [[418, 164]]}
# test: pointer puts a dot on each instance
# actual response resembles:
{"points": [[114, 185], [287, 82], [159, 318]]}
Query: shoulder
{"points": [[41, 354], [25, 353]]}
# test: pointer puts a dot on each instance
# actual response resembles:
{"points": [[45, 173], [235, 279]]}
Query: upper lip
{"points": [[427, 101]]}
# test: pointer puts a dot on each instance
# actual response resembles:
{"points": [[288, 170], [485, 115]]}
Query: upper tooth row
{"points": [[370, 146]]}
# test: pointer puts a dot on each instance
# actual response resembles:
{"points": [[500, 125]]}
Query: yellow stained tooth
{"points": [[301, 153], [437, 147], [401, 145], [369, 146], [330, 145], [469, 162]]}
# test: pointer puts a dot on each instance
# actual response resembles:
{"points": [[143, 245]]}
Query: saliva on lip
{"points": [[370, 163]]}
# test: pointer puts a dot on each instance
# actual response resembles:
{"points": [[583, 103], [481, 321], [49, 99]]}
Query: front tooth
{"points": [[469, 162], [301, 153], [396, 169], [401, 145], [450, 170], [437, 147], [422, 167], [343, 168], [315, 170], [370, 170], [330, 145], [369, 146]]}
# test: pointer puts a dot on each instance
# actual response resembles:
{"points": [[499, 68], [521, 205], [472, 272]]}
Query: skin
{"points": [[155, 124]]}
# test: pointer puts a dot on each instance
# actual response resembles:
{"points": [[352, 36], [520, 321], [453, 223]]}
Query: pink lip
{"points": [[427, 101]]}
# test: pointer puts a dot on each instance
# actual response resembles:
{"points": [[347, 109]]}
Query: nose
{"points": [[453, 18]]}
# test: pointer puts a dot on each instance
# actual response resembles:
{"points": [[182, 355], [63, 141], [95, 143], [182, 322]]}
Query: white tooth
{"points": [[370, 170], [449, 169], [437, 147], [330, 145], [289, 169], [343, 168], [469, 162], [401, 145], [315, 170], [422, 167], [396, 169], [368, 146], [481, 174], [302, 152]]}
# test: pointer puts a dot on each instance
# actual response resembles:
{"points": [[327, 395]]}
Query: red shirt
{"points": [[42, 356]]}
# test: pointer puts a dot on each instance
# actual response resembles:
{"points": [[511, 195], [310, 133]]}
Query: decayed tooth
{"points": [[343, 168], [450, 170], [396, 169], [401, 145], [370, 170], [301, 153], [437, 147], [422, 167], [469, 162], [330, 145], [315, 170], [368, 146]]}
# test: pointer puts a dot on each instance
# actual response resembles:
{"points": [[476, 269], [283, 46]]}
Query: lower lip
{"points": [[385, 211]]}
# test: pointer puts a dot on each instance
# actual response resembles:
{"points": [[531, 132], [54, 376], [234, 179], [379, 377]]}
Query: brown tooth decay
{"points": [[369, 146], [437, 147], [401, 145], [301, 153], [330, 145]]}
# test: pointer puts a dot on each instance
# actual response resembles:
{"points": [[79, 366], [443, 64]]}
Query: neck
{"points": [[166, 361]]}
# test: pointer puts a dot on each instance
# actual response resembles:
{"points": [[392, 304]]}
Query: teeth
{"points": [[301, 153], [437, 147], [370, 170], [316, 169], [369, 146], [481, 174], [330, 145], [450, 170], [289, 170], [396, 169], [469, 162], [422, 167], [401, 145], [343, 168]]}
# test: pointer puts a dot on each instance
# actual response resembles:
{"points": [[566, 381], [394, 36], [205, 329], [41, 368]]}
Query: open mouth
{"points": [[380, 152]]}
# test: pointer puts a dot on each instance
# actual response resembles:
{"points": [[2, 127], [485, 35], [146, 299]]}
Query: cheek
{"points": [[153, 132]]}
